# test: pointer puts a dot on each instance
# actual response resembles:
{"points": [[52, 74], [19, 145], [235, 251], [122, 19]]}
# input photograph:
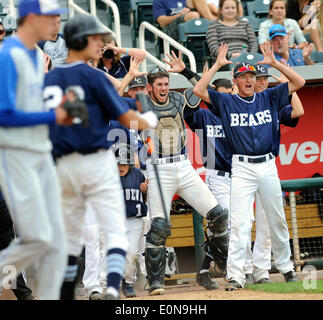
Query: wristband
{"points": [[127, 51], [189, 74]]}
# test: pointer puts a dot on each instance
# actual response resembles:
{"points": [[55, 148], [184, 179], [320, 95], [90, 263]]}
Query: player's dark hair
{"points": [[21, 21], [222, 82], [156, 73]]}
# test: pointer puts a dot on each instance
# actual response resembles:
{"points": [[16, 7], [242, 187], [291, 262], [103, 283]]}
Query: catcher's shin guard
{"points": [[217, 220], [155, 259]]}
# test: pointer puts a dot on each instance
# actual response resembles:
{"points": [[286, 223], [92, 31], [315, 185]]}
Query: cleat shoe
{"points": [[95, 295], [204, 280], [249, 279], [127, 290], [233, 285], [263, 281], [290, 276], [156, 289], [111, 294], [29, 297]]}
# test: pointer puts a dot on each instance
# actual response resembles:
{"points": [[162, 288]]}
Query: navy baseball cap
{"points": [[276, 30], [242, 68], [138, 82], [262, 70], [40, 7]]}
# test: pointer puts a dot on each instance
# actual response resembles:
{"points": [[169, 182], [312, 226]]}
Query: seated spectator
{"points": [[170, 13], [277, 15], [294, 57], [237, 33], [112, 61], [214, 7], [55, 48], [2, 32], [305, 13], [202, 8]]}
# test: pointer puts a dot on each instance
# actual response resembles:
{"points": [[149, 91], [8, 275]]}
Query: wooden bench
{"points": [[309, 224], [182, 230]]}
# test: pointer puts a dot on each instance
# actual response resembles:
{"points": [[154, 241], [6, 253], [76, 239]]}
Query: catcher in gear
{"points": [[175, 171]]}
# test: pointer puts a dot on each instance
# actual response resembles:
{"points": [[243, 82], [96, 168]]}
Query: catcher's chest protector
{"points": [[171, 128]]}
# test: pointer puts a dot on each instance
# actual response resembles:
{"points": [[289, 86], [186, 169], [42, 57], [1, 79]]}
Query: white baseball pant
{"points": [[247, 178], [134, 235], [94, 254], [30, 187], [92, 179], [180, 178]]}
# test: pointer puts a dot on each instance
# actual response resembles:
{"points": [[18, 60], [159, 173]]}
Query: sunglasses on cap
{"points": [[2, 31], [156, 70], [273, 32], [242, 69]]}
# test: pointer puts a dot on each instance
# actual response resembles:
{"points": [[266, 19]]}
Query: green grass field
{"points": [[288, 287]]}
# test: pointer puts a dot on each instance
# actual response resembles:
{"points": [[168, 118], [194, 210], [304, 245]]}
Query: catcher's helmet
{"points": [[78, 28], [124, 153]]}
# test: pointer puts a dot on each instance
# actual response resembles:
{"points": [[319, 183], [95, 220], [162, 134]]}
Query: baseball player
{"points": [[249, 121], [27, 175], [258, 261], [176, 176], [87, 171], [134, 186]]}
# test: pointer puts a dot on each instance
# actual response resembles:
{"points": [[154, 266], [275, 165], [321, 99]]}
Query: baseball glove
{"points": [[76, 108]]}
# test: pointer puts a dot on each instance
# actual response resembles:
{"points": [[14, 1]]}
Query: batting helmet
{"points": [[124, 153], [78, 28]]}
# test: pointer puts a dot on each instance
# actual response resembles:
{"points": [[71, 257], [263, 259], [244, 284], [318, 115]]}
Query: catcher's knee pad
{"points": [[159, 231], [217, 220], [155, 259]]}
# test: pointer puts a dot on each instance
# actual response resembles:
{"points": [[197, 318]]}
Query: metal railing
{"points": [[72, 7], [167, 41]]}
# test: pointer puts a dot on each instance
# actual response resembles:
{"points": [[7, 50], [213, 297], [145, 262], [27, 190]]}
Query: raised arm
{"points": [[201, 88], [295, 81], [133, 72]]}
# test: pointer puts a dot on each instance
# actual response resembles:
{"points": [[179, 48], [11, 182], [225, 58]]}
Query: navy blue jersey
{"points": [[284, 117], [102, 100], [134, 199], [1, 196], [118, 70], [250, 125], [208, 127]]}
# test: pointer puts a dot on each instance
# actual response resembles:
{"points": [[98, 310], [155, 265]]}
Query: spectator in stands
{"points": [[214, 7], [236, 32], [55, 48], [305, 13], [294, 57], [170, 13], [112, 61], [277, 15], [202, 8], [2, 32]]}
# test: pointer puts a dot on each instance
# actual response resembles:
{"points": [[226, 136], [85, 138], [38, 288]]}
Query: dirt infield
{"points": [[191, 291]]}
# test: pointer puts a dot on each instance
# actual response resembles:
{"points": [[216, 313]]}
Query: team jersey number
{"points": [[53, 95], [138, 206]]}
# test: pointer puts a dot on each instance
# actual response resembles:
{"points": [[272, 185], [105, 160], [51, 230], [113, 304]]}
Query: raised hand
{"points": [[222, 55], [135, 63], [176, 63], [268, 53], [282, 78]]}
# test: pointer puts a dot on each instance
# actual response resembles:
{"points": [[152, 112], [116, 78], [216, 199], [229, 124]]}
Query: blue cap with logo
{"points": [[276, 30], [262, 70], [40, 7]]}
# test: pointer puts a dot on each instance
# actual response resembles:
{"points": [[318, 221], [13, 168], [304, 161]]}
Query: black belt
{"points": [[171, 159], [256, 160]]}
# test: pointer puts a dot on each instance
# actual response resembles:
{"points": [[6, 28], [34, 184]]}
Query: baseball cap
{"points": [[242, 68], [262, 71], [138, 82], [40, 7], [276, 30]]}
